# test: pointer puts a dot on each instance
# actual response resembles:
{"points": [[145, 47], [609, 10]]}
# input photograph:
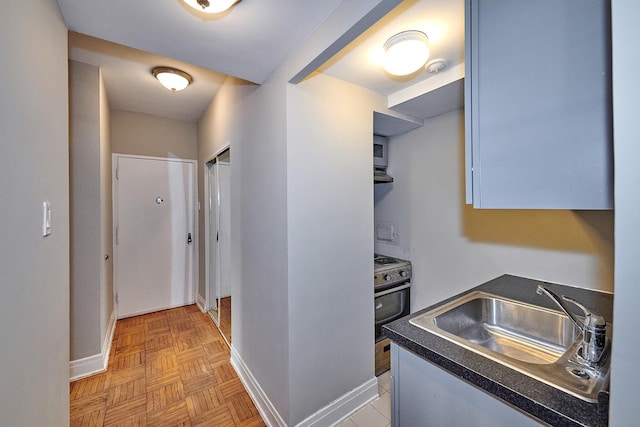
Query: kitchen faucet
{"points": [[593, 328]]}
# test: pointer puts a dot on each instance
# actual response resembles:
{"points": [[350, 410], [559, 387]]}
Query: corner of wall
{"points": [[267, 409], [97, 363], [201, 303]]}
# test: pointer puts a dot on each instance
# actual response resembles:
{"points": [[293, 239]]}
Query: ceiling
{"points": [[360, 62], [131, 87], [126, 39]]}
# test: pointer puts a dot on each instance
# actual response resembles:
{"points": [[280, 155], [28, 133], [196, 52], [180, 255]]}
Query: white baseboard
{"points": [[98, 362], [343, 407], [268, 412], [330, 415], [201, 303]]}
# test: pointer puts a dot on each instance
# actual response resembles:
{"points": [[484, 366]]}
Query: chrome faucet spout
{"points": [[594, 327], [541, 289]]}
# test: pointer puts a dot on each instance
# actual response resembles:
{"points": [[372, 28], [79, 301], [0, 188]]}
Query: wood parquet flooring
{"points": [[169, 368]]}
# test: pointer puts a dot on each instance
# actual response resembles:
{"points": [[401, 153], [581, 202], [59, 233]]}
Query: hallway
{"points": [[169, 368]]}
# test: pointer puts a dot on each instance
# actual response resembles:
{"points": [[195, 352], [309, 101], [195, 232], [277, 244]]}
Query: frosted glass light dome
{"points": [[406, 52], [172, 78], [210, 6]]}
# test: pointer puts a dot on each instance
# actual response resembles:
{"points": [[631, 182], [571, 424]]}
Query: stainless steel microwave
{"points": [[380, 151]]}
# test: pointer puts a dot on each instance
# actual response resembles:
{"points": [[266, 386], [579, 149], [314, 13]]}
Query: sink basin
{"points": [[524, 332], [533, 340]]}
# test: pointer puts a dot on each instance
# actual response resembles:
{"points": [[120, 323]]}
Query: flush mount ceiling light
{"points": [[406, 52], [210, 6], [172, 78]]}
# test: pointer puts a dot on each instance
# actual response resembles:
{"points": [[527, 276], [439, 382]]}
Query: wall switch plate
{"points": [[387, 232], [46, 218]]}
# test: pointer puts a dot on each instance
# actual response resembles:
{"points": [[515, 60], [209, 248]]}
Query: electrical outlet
{"points": [[387, 232]]}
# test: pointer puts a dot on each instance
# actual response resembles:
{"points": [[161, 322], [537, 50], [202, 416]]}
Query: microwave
{"points": [[380, 151]]}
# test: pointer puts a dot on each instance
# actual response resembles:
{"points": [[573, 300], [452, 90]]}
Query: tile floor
{"points": [[376, 413]]}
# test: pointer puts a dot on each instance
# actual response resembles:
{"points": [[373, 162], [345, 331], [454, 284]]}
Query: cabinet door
{"points": [[422, 394], [538, 104]]}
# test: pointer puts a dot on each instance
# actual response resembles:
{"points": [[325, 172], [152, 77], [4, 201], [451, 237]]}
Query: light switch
{"points": [[46, 218]]}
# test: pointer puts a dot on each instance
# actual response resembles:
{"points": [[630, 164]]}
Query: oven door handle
{"points": [[392, 290]]}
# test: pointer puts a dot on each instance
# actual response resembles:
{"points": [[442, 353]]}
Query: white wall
{"points": [[330, 244], [90, 213], [146, 135], [252, 120], [295, 319], [300, 160], [626, 92], [34, 283], [260, 311], [453, 247], [219, 126], [106, 215], [86, 262]]}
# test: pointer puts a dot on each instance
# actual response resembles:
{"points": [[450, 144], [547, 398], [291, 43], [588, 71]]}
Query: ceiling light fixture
{"points": [[211, 6], [406, 52], [172, 78]]}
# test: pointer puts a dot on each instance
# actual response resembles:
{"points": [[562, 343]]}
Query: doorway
{"points": [[218, 244], [154, 234]]}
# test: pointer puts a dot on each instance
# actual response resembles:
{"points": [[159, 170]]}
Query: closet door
{"points": [[218, 247], [224, 228]]}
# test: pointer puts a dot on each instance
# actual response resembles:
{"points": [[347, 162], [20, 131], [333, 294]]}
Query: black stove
{"points": [[384, 260], [391, 301], [390, 271]]}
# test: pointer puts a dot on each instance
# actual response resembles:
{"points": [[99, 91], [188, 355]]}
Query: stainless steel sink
{"points": [[534, 340], [524, 332]]}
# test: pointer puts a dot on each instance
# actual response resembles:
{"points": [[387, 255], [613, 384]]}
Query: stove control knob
{"points": [[404, 274], [387, 277]]}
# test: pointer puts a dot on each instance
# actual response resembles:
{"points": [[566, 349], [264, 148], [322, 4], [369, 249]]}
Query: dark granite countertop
{"points": [[536, 398]]}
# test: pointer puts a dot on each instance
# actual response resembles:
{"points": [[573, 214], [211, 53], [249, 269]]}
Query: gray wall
{"points": [[330, 243], [252, 120], [626, 92], [146, 135], [90, 212], [219, 126], [84, 170], [454, 247], [106, 215], [260, 312], [304, 332], [303, 327], [34, 283]]}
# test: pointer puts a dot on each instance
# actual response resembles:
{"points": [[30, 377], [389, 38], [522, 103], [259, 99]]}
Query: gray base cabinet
{"points": [[538, 104], [424, 395]]}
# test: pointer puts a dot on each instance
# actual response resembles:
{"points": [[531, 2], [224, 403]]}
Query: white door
{"points": [[155, 236]]}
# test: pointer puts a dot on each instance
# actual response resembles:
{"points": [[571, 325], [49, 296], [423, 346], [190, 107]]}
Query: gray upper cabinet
{"points": [[538, 104]]}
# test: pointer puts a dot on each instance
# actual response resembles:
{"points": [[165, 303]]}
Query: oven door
{"points": [[391, 304]]}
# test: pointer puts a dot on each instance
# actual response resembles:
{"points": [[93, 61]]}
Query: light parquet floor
{"points": [[169, 368]]}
